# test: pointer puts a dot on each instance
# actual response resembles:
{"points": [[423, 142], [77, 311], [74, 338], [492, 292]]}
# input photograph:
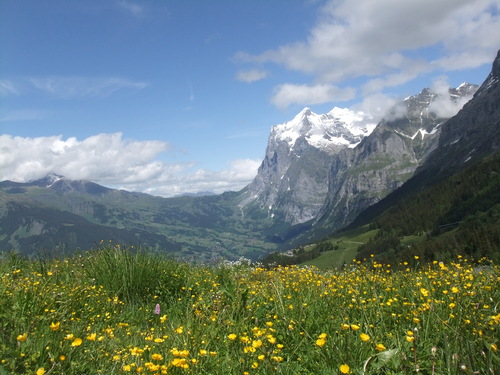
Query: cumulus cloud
{"points": [[110, 160], [236, 176], [252, 75], [389, 42], [287, 94]]}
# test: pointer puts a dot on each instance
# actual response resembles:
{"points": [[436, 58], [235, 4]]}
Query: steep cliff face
{"points": [[388, 157], [292, 182], [470, 135]]}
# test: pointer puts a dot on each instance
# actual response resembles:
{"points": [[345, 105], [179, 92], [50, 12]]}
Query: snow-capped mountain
{"points": [[340, 162], [292, 181], [330, 132]]}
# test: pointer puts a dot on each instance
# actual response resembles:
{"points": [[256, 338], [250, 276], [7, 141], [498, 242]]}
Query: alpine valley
{"points": [[323, 176]]}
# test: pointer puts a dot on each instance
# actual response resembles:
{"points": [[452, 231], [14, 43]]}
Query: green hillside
{"points": [[460, 215]]}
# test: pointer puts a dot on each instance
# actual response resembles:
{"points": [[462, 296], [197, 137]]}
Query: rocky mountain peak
{"points": [[329, 132]]}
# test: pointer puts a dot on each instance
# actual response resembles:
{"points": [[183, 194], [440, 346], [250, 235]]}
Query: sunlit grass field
{"points": [[116, 310]]}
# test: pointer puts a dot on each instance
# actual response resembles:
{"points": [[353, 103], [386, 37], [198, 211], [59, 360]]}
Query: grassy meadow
{"points": [[115, 311]]}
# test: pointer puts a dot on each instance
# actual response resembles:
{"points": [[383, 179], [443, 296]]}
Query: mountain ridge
{"points": [[306, 188]]}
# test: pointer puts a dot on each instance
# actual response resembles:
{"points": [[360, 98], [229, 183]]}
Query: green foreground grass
{"points": [[116, 310]]}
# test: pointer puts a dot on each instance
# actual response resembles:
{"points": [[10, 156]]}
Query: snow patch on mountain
{"points": [[420, 131]]}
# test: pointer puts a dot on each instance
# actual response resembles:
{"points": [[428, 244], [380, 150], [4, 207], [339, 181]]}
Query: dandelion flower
{"points": [[40, 371], [232, 336], [344, 369], [354, 327], [380, 347], [55, 326], [77, 342]]}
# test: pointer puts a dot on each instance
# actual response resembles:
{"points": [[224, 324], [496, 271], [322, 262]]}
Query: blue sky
{"points": [[169, 97]]}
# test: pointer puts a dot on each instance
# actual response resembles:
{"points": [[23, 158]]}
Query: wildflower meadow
{"points": [[117, 310]]}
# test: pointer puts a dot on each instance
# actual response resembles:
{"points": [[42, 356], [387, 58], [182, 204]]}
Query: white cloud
{"points": [[110, 160], [287, 94], [252, 75], [442, 104], [236, 176], [378, 106], [390, 42]]}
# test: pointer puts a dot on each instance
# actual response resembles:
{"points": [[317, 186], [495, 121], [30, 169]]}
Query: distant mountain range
{"points": [[320, 174]]}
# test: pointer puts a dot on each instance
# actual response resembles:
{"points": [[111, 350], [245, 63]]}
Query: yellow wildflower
{"points": [[22, 337], [410, 338], [344, 369], [320, 342], [156, 357], [256, 344]]}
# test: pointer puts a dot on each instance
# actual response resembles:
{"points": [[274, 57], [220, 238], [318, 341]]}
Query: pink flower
{"points": [[157, 309]]}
